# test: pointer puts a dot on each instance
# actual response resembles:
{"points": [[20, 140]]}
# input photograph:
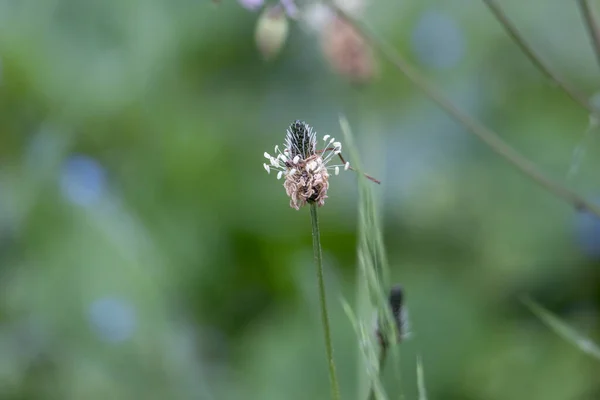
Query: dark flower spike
{"points": [[396, 300], [301, 140], [399, 315]]}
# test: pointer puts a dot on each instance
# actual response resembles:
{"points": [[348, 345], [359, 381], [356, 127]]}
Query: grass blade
{"points": [[373, 270], [562, 329]]}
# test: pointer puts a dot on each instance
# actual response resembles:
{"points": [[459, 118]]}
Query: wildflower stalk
{"points": [[335, 390]]}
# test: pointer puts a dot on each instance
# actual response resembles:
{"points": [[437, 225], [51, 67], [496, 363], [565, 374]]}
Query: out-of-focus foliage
{"points": [[145, 253]]}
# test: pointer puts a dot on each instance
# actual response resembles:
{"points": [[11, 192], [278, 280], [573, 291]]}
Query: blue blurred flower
{"points": [[112, 319], [588, 234], [438, 40], [82, 180]]}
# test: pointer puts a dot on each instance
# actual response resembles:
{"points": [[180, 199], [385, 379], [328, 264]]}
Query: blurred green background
{"points": [[145, 253]]}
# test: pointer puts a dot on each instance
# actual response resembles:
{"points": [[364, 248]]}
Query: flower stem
{"points": [[335, 390]]}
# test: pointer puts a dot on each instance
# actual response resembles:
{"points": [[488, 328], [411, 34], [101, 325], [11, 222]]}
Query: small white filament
{"points": [[296, 159], [292, 171], [326, 137], [283, 158], [267, 156], [279, 174], [332, 140], [276, 148], [337, 170], [267, 168], [346, 166]]}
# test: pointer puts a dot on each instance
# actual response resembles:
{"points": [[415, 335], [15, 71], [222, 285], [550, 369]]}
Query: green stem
{"points": [[335, 389], [382, 358]]}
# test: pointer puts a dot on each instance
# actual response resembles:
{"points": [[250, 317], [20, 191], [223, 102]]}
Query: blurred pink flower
{"points": [[347, 51]]}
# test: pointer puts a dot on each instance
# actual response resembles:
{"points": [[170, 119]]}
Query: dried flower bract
{"points": [[348, 52], [306, 169]]}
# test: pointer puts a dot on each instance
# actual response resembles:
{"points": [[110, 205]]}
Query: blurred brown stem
{"points": [[592, 27], [369, 177], [536, 59], [476, 128]]}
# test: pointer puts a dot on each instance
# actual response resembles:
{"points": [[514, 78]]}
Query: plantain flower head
{"points": [[305, 169]]}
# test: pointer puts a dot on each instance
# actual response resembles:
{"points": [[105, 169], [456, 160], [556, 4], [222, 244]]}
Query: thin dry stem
{"points": [[536, 59], [592, 26], [476, 128], [369, 177]]}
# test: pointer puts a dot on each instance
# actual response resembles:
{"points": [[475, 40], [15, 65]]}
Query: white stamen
{"points": [[276, 148], [274, 162], [326, 137], [337, 170], [267, 156], [292, 171], [283, 158], [267, 168], [332, 140], [337, 151], [337, 144], [346, 166], [296, 159], [279, 174], [285, 151]]}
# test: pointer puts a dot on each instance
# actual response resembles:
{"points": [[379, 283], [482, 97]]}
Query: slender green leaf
{"points": [[562, 329]]}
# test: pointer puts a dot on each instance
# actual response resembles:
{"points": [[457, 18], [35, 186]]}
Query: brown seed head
{"points": [[308, 184]]}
